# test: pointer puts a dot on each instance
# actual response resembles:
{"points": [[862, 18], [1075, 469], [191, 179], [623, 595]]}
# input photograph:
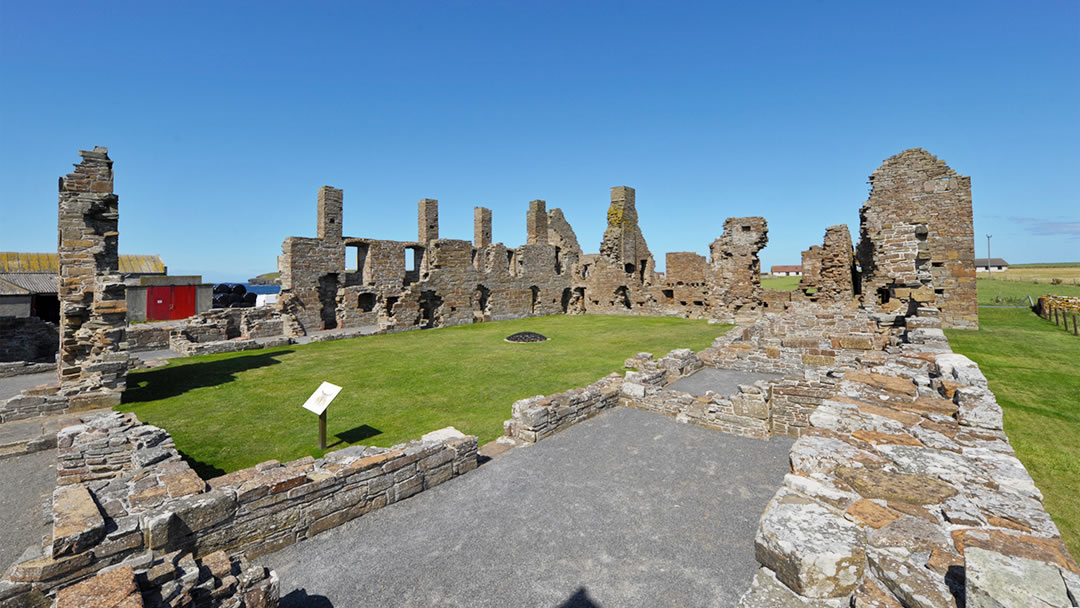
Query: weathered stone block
{"points": [[993, 580], [811, 550], [77, 522]]}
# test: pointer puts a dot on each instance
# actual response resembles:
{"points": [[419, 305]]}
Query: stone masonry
{"points": [[93, 310], [904, 262], [904, 490], [917, 242], [735, 269], [829, 269]]}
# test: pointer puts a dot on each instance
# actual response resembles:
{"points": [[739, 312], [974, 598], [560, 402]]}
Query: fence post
{"points": [[1076, 332], [1056, 322]]}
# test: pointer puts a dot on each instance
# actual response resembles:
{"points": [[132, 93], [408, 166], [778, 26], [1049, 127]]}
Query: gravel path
{"points": [[627, 509], [26, 481]]}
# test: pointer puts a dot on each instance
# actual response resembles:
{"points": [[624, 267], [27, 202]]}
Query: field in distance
{"points": [[231, 411]]}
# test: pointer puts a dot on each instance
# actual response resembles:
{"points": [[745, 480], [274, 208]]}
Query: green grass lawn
{"points": [[1034, 370], [231, 411], [780, 283]]}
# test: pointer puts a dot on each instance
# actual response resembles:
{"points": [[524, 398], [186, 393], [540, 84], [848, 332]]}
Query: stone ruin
{"points": [[916, 249], [903, 491], [917, 240]]}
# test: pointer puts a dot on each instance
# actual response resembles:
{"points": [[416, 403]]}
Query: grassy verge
{"points": [[1015, 293], [231, 411], [780, 283], [1034, 370]]}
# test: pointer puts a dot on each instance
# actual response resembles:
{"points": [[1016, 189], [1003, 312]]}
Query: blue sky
{"points": [[224, 118]]}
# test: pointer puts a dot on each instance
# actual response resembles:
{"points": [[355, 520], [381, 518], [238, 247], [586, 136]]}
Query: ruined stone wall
{"points": [[685, 291], [621, 279], [92, 362], [27, 339], [810, 339], [126, 497], [917, 242], [829, 269], [450, 282], [735, 270]]}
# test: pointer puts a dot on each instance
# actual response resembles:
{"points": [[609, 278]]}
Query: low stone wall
{"points": [[34, 402], [28, 339], [904, 491], [539, 417], [148, 336], [124, 496], [22, 368], [808, 340]]}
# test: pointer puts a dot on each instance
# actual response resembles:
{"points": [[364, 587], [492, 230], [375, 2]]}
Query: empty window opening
{"points": [[629, 268], [698, 303], [391, 301], [883, 295], [937, 264], [622, 296], [921, 232], [510, 262], [939, 291], [535, 307], [565, 301], [481, 299], [746, 228], [642, 267], [669, 295], [430, 310], [558, 262], [366, 302], [585, 270], [414, 257]]}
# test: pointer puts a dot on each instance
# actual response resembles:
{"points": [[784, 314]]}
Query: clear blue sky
{"points": [[224, 118]]}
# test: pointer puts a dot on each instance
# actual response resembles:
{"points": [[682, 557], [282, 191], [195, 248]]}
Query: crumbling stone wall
{"points": [[829, 269], [312, 270], [685, 291], [735, 270], [28, 339], [917, 242], [93, 309], [125, 497], [911, 253]]}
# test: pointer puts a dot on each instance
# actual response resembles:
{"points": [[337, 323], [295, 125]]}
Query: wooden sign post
{"points": [[318, 402]]}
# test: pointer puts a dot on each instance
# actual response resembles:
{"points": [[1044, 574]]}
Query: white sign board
{"points": [[321, 398]]}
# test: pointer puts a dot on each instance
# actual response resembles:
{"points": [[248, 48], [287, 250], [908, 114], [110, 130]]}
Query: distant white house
{"points": [[990, 265], [786, 271]]}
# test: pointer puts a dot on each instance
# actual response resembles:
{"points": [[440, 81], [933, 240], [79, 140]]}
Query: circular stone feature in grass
{"points": [[526, 336]]}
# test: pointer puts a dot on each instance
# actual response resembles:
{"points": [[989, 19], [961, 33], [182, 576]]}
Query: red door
{"points": [[158, 303], [183, 302]]}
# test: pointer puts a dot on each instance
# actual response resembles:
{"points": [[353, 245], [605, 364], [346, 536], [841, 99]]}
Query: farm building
{"points": [[28, 288], [990, 265], [786, 271]]}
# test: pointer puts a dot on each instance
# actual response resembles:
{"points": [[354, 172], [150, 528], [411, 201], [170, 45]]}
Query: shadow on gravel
{"points": [[300, 599], [174, 380]]}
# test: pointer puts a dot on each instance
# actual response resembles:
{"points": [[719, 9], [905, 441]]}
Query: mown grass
{"points": [[1034, 370], [231, 411], [780, 283]]}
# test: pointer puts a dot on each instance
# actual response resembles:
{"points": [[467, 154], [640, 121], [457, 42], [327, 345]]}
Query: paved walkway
{"points": [[13, 385], [26, 481], [627, 509]]}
